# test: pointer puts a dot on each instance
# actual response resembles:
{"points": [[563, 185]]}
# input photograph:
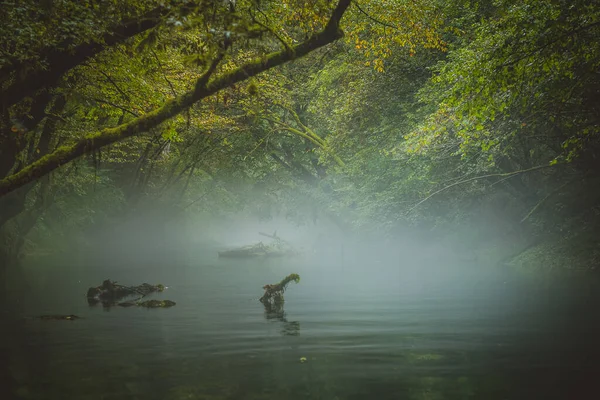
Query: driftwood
{"points": [[274, 237], [110, 293], [279, 248], [148, 304], [255, 250], [156, 303], [274, 293]]}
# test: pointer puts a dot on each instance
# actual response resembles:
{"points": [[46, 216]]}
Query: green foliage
{"points": [[528, 72], [36, 26], [428, 114]]}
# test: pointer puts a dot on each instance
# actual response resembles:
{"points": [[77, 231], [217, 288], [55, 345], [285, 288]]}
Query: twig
{"points": [[306, 134], [114, 105], [374, 19], [550, 43], [264, 140], [271, 31], [160, 66], [121, 91], [195, 201]]}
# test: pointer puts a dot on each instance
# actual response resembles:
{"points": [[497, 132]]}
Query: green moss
{"points": [[171, 108], [274, 293], [156, 303]]}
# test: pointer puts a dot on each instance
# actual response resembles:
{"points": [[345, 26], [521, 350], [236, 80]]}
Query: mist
{"points": [[340, 200]]}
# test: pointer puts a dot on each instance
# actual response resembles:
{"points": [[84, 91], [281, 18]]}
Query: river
{"points": [[349, 330]]}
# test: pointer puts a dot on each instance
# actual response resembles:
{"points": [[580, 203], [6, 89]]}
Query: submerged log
{"points": [[278, 248], [148, 304], [156, 303], [109, 293], [255, 250]]}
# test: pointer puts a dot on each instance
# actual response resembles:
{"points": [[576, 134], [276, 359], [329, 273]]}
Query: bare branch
{"points": [[504, 175], [111, 80], [539, 203], [113, 105], [162, 70], [374, 19]]}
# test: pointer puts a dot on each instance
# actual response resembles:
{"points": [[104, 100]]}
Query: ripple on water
{"points": [[414, 339]]}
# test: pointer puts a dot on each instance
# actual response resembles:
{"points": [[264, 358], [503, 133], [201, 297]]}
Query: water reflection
{"points": [[275, 311], [291, 328], [473, 338]]}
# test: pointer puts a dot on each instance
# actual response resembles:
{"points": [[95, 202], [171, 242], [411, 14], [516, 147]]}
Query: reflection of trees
{"points": [[275, 311], [291, 328]]}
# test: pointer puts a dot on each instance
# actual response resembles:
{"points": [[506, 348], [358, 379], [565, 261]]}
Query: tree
{"points": [[203, 87]]}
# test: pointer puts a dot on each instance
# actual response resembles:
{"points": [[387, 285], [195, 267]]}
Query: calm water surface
{"points": [[366, 332]]}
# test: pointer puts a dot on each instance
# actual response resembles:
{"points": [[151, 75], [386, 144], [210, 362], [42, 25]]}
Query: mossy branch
{"points": [[171, 108], [274, 293], [304, 127], [308, 135]]}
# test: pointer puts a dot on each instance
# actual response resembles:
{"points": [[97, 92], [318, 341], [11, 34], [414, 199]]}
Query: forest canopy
{"points": [[478, 117]]}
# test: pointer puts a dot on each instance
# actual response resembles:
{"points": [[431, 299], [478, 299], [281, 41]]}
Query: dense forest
{"points": [[472, 123], [299, 199]]}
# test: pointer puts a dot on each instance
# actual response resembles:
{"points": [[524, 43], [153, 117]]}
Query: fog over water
{"points": [[299, 200], [370, 318]]}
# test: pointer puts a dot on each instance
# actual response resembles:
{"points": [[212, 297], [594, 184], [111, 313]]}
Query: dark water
{"points": [[366, 332]]}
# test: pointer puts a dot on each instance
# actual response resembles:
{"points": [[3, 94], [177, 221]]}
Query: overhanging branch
{"points": [[107, 136], [501, 175]]}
